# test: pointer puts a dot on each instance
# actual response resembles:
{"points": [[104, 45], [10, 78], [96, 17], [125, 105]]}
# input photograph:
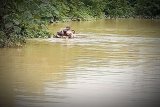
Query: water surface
{"points": [[111, 63]]}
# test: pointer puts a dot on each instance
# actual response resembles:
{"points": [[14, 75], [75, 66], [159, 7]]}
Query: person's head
{"points": [[73, 31], [68, 27]]}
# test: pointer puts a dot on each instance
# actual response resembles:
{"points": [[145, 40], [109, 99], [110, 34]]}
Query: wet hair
{"points": [[73, 31]]}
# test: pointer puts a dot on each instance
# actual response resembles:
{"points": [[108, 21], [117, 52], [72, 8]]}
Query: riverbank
{"points": [[52, 28]]}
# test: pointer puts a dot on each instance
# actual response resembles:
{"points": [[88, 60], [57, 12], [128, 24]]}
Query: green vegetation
{"points": [[21, 19]]}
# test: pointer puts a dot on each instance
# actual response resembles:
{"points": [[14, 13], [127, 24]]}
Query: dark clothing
{"points": [[63, 32], [60, 33]]}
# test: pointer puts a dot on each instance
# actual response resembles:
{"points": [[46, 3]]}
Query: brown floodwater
{"points": [[110, 63]]}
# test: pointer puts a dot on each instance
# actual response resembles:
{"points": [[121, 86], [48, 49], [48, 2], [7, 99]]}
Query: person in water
{"points": [[66, 33]]}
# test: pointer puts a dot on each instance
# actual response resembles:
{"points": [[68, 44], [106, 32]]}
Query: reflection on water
{"points": [[115, 63]]}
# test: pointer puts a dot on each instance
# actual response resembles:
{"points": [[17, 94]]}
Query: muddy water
{"points": [[110, 63]]}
